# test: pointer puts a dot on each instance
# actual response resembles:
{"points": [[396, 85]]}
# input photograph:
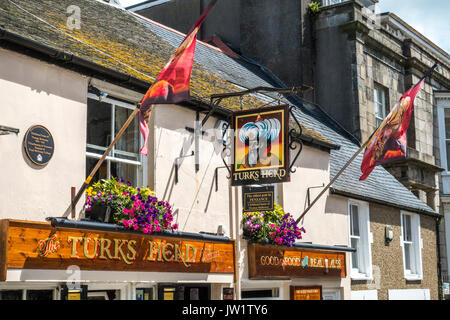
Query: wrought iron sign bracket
{"points": [[176, 164], [216, 99], [216, 175], [4, 130], [294, 140], [308, 195]]}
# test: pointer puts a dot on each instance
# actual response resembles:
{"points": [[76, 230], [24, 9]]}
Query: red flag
{"points": [[388, 143], [173, 82]]}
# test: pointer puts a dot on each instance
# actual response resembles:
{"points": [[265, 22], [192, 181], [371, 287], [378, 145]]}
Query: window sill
{"points": [[413, 277], [360, 276]]}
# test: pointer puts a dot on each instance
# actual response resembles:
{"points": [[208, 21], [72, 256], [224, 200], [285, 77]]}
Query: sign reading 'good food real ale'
{"points": [[31, 245], [260, 152]]}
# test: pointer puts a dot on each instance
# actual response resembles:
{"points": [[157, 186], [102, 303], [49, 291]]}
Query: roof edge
{"points": [[431, 213], [67, 58]]}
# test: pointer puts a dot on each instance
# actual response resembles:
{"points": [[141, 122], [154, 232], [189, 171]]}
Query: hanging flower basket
{"points": [[100, 213], [114, 201], [271, 227]]}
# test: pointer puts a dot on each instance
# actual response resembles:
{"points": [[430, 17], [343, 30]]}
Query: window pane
{"points": [[447, 123], [354, 244], [11, 295], [447, 143], [378, 122], [354, 221], [126, 171], [102, 172], [381, 106], [129, 141], [407, 247], [39, 295], [98, 123], [407, 228]]}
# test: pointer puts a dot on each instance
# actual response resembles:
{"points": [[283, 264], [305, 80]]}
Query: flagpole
{"points": [[428, 73], [99, 162], [334, 179]]}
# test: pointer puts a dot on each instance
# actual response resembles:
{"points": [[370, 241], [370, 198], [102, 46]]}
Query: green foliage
{"points": [[114, 193], [274, 227], [314, 8]]}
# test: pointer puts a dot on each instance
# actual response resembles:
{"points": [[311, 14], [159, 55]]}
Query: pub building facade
{"points": [[80, 92]]}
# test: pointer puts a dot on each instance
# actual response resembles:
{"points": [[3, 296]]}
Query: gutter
{"points": [[109, 227]]}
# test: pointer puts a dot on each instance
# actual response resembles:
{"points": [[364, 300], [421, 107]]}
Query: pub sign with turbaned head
{"points": [[260, 150]]}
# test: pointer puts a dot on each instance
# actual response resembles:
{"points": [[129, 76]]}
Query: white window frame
{"points": [[382, 105], [364, 252], [364, 295], [141, 163], [416, 243], [331, 2], [409, 294], [442, 136]]}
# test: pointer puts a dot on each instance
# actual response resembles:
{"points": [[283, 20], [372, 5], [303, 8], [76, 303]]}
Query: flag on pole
{"points": [[388, 143], [173, 82]]}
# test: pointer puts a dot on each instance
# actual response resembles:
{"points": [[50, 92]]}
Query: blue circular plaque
{"points": [[39, 145]]}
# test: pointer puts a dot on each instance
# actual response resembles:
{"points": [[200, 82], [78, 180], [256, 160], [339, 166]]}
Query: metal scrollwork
{"points": [[294, 140], [226, 151]]}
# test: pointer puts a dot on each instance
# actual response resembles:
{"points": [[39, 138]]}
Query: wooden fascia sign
{"points": [[36, 245], [273, 262]]}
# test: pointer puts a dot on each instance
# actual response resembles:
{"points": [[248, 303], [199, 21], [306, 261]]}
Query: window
{"points": [[447, 137], [360, 239], [331, 2], [364, 295], [380, 95], [105, 118], [411, 243], [442, 102], [409, 294]]}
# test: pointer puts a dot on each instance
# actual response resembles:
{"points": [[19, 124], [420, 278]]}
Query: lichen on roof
{"points": [[115, 39]]}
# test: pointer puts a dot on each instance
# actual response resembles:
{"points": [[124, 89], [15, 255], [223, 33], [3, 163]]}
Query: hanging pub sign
{"points": [[260, 151], [39, 145], [256, 199]]}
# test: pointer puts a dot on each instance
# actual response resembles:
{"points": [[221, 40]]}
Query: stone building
{"points": [[358, 64]]}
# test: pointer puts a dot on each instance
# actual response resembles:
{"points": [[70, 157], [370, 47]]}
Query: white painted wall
{"points": [[326, 222], [36, 93], [198, 206]]}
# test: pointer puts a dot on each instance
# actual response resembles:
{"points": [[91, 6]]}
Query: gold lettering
{"points": [[154, 251], [93, 255], [132, 250], [167, 244], [104, 249], [194, 253], [118, 249], [179, 256], [74, 241]]}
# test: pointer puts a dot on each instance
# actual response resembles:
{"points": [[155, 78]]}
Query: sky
{"points": [[429, 17]]}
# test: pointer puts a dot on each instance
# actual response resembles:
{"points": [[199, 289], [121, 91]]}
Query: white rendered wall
{"points": [[36, 93]]}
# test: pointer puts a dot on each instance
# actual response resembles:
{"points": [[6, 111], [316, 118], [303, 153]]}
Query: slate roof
{"points": [[114, 39], [140, 48]]}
